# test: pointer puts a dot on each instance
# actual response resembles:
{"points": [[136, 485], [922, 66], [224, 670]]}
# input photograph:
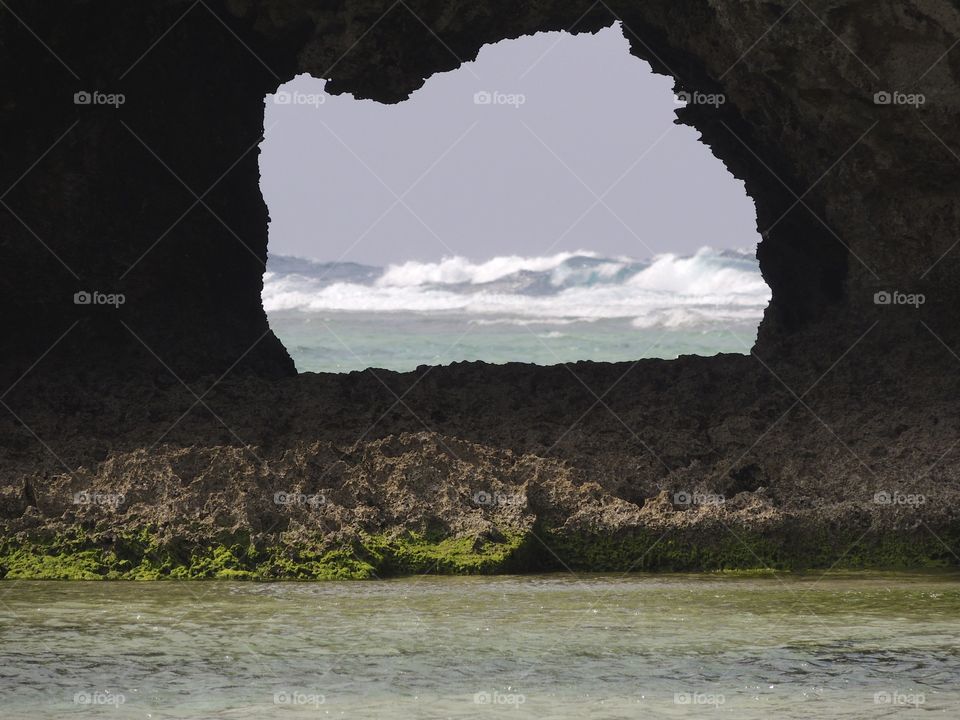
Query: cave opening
{"points": [[524, 207]]}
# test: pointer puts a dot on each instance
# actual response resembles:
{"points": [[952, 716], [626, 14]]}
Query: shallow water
{"points": [[555, 646], [344, 342]]}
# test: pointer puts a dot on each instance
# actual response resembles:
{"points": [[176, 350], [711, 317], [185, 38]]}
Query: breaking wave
{"points": [[708, 288]]}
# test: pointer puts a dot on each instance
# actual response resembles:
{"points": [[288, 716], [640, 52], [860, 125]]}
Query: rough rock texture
{"points": [[852, 197], [158, 199], [698, 462]]}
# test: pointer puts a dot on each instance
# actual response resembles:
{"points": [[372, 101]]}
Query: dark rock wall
{"points": [[157, 199], [852, 197]]}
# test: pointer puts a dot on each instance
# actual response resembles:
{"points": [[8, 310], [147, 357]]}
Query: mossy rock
{"points": [[90, 555]]}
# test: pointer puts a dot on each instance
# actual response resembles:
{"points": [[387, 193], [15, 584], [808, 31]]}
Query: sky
{"points": [[544, 144]]}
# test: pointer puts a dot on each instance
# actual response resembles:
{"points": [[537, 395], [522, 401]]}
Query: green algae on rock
{"points": [[140, 556], [79, 555]]}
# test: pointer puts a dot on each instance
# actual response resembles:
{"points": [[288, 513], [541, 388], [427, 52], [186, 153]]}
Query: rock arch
{"points": [[158, 199]]}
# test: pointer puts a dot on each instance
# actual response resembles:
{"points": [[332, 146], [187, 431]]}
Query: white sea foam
{"points": [[456, 270], [708, 288], [707, 273]]}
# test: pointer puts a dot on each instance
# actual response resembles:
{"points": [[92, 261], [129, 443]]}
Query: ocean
{"points": [[840, 645], [342, 316]]}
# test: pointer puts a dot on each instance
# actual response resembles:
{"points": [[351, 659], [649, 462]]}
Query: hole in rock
{"points": [[536, 205]]}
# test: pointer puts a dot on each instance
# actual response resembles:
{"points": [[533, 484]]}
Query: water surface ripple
{"points": [[853, 645]]}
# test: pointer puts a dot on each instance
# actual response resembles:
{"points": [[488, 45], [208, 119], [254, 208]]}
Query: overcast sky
{"points": [[441, 174]]}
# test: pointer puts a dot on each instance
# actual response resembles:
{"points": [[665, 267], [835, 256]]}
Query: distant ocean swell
{"points": [[710, 287], [559, 308]]}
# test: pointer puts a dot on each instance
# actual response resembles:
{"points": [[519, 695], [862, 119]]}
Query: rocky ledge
{"points": [[690, 464], [835, 443]]}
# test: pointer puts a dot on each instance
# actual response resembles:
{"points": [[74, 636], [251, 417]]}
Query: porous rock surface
{"points": [[158, 199]]}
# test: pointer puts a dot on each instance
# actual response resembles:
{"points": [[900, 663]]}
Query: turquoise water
{"points": [[556, 646], [337, 317], [346, 341]]}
